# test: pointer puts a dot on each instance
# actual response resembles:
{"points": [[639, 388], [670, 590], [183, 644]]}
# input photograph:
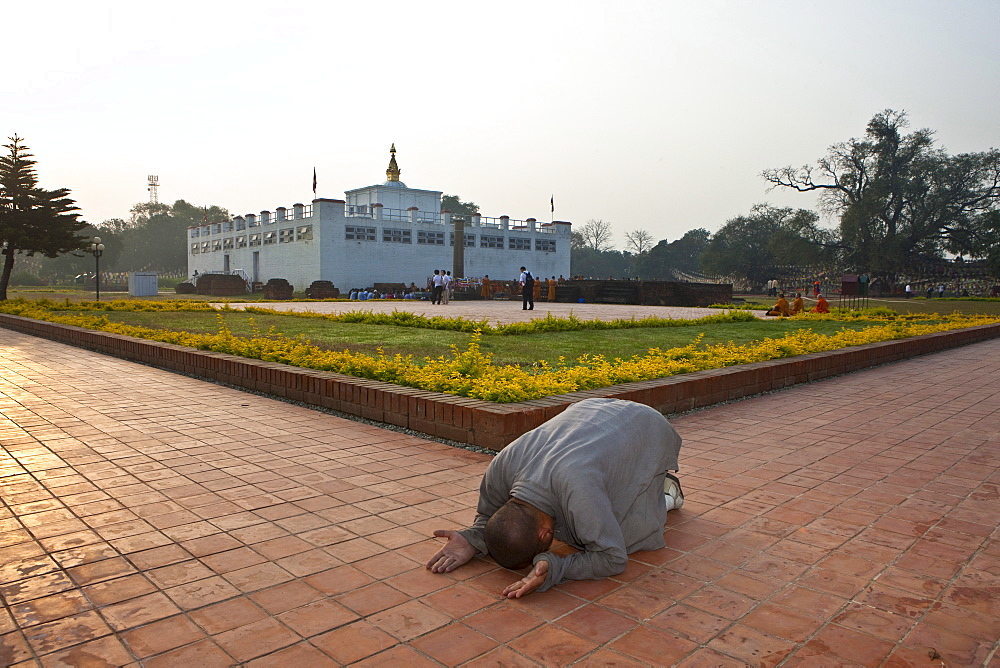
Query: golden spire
{"points": [[392, 174]]}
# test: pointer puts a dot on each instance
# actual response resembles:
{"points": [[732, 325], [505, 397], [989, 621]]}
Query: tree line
{"points": [[901, 202]]}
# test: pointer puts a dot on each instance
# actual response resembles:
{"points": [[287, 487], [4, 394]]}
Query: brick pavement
{"points": [[152, 519]]}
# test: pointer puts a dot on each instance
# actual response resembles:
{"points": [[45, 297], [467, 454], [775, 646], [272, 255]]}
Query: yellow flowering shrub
{"points": [[472, 373]]}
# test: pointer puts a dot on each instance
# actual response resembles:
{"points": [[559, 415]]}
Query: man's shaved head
{"points": [[512, 535]]}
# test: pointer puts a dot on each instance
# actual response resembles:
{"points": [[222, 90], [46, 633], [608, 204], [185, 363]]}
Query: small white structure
{"points": [[386, 233], [143, 284]]}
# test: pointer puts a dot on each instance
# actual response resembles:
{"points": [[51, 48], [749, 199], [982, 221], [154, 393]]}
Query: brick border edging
{"points": [[484, 423]]}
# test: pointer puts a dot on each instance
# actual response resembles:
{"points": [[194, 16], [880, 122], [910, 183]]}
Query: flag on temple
{"points": [[314, 182]]}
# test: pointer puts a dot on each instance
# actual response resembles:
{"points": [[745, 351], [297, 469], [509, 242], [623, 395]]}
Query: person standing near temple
{"points": [[485, 291], [446, 280], [552, 289], [436, 289], [527, 282]]}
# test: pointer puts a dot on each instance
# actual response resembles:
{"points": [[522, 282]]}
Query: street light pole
{"points": [[97, 248]]}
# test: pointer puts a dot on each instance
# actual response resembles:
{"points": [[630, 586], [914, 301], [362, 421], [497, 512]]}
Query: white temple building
{"points": [[386, 233]]}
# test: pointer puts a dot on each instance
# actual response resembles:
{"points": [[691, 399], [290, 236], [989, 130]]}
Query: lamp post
{"points": [[97, 248]]}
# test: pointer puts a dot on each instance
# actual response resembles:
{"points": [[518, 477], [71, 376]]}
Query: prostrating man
{"points": [[595, 477]]}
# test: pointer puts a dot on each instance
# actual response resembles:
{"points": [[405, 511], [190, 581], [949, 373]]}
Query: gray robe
{"points": [[597, 469]]}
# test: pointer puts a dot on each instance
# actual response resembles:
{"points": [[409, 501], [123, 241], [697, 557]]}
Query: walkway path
{"points": [[497, 312], [152, 519]]}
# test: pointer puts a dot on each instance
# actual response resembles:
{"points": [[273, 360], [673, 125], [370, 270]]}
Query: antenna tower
{"points": [[154, 183]]}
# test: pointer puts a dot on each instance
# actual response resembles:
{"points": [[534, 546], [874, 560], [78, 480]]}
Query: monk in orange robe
{"points": [[822, 306], [781, 307], [552, 289], [798, 306], [485, 291], [536, 293]]}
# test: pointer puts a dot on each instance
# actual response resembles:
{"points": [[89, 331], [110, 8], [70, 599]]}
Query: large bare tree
{"points": [[596, 234], [638, 242]]}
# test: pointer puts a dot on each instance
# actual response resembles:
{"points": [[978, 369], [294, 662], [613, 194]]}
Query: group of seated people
{"points": [[365, 294], [781, 308], [372, 293]]}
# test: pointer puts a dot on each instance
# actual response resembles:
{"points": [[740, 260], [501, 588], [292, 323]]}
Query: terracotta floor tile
{"points": [[980, 598], [355, 550], [373, 598], [179, 573], [232, 560], [667, 583], [139, 611], [636, 602], [36, 587], [552, 646], [118, 590], [257, 639], [954, 648], [409, 620], [458, 600], [67, 631], [781, 622], [109, 650], [384, 565], [720, 601], [49, 608], [353, 642], [19, 569], [893, 600], [162, 636], [204, 654], [106, 569], [227, 615], [400, 655], [338, 580], [503, 657], [302, 654], [752, 646], [852, 645], [308, 563], [159, 556], [709, 658], [596, 623], [15, 649], [694, 624], [589, 590], [282, 547], [258, 577], [454, 644], [653, 647], [197, 594], [317, 617], [285, 596]]}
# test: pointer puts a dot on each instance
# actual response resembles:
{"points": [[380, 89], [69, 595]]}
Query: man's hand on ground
{"points": [[456, 551], [529, 582]]}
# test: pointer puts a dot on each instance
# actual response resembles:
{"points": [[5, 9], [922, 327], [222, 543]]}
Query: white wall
{"points": [[329, 255]]}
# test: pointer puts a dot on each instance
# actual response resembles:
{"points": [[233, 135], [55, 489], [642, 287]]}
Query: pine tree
{"points": [[32, 220]]}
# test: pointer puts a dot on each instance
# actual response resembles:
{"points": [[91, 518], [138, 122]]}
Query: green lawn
{"points": [[524, 349]]}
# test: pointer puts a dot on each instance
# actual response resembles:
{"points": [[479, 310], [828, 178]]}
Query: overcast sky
{"points": [[652, 115]]}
